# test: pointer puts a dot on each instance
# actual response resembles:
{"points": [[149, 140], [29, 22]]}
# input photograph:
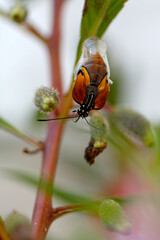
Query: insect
{"points": [[92, 74]]}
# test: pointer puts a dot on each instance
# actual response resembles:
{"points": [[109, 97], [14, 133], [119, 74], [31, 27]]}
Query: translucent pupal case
{"points": [[92, 46]]}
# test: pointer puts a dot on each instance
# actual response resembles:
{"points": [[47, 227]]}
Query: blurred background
{"points": [[134, 55]]}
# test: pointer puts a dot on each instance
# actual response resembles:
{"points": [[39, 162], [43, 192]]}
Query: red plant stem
{"points": [[42, 216], [43, 211], [54, 44]]}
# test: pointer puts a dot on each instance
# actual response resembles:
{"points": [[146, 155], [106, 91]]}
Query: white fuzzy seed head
{"points": [[46, 99]]}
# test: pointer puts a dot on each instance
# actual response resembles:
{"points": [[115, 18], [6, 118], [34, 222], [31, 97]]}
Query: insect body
{"points": [[92, 77], [92, 74]]}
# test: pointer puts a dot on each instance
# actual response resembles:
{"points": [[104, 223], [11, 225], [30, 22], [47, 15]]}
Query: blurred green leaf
{"points": [[3, 232], [11, 129], [64, 195], [33, 181], [8, 127], [157, 133], [97, 15], [133, 126], [113, 217]]}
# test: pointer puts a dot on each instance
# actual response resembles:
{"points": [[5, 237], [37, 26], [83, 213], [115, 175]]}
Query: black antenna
{"points": [[78, 117], [50, 119], [92, 125]]}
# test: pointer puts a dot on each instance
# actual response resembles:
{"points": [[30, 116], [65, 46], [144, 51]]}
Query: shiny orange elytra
{"points": [[91, 87]]}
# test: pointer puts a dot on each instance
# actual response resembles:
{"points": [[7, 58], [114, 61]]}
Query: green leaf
{"points": [[133, 126], [97, 15], [113, 217], [11, 129], [33, 181]]}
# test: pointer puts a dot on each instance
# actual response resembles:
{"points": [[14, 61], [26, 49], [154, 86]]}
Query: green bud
{"points": [[15, 220], [98, 142], [18, 13], [100, 129], [46, 99], [113, 217], [134, 126]]}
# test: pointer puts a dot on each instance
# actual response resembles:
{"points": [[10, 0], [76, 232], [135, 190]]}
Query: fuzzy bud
{"points": [[18, 13], [46, 99]]}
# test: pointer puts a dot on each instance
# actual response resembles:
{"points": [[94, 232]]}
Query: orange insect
{"points": [[92, 73]]}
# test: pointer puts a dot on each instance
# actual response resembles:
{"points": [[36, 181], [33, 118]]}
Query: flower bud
{"points": [[98, 142], [15, 219], [113, 217], [46, 99], [18, 13], [100, 129]]}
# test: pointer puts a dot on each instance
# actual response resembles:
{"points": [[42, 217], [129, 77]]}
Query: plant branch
{"points": [[43, 211], [28, 27], [9, 128], [91, 207], [31, 29]]}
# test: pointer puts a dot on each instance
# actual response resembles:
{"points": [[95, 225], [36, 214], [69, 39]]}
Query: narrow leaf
{"points": [[112, 11], [113, 217], [33, 181], [11, 129], [97, 15]]}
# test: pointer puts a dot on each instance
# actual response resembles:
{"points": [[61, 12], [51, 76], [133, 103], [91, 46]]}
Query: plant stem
{"points": [[43, 211], [42, 216], [54, 44], [27, 26]]}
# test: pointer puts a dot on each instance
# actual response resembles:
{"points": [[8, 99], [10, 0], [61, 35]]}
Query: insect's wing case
{"points": [[79, 89], [101, 98]]}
